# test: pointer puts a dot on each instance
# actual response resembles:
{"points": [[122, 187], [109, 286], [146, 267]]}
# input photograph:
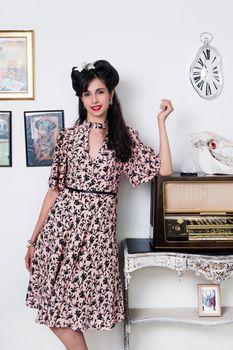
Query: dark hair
{"points": [[118, 137]]}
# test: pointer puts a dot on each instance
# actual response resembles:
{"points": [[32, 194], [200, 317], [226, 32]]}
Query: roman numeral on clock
{"points": [[215, 85], [200, 62], [200, 85], [208, 89], [196, 79], [207, 54]]}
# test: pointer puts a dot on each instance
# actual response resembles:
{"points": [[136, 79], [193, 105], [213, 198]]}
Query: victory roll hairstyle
{"points": [[118, 137]]}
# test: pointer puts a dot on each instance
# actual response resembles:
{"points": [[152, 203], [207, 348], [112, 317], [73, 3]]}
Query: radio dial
{"points": [[176, 228]]}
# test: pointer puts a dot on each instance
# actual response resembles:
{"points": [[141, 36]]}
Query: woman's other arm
{"points": [[49, 199]]}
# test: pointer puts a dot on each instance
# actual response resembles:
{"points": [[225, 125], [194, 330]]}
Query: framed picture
{"points": [[5, 139], [209, 303], [16, 65], [41, 130]]}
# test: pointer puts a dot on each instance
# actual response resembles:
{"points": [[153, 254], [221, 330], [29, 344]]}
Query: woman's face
{"points": [[96, 100]]}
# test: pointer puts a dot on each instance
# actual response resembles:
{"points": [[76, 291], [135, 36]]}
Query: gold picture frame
{"points": [[209, 301], [17, 65]]}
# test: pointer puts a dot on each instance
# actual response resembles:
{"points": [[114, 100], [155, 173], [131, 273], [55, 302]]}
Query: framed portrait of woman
{"points": [[209, 300], [41, 130], [17, 65], [5, 139]]}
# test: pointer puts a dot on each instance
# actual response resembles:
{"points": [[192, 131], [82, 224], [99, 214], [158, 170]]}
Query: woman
{"points": [[72, 254]]}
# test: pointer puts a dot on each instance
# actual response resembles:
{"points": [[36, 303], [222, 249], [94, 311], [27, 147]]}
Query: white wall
{"points": [[152, 44]]}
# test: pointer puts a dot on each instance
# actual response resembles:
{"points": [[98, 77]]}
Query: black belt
{"points": [[91, 191]]}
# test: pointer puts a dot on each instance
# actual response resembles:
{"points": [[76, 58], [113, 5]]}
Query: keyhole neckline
{"points": [[87, 145], [96, 125]]}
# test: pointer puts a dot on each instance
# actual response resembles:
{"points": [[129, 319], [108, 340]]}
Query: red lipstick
{"points": [[96, 108]]}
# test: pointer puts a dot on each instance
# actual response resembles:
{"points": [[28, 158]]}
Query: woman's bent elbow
{"points": [[52, 193], [164, 172]]}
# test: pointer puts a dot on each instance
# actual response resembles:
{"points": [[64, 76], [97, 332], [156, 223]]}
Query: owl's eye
{"points": [[212, 144]]}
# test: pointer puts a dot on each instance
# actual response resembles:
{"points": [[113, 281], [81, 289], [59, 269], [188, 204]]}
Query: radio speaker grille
{"points": [[198, 197]]}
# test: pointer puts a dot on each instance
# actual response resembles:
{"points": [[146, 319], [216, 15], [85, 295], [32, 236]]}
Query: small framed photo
{"points": [[17, 65], [209, 303], [5, 139], [41, 130]]}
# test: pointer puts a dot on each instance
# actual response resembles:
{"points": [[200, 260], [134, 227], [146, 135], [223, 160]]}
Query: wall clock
{"points": [[206, 70]]}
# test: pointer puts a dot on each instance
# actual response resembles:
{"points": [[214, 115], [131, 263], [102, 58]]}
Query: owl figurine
{"points": [[215, 153]]}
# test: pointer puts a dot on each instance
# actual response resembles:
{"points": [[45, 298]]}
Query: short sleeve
{"points": [[143, 164], [58, 169]]}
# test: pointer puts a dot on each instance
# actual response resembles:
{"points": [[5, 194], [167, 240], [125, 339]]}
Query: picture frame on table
{"points": [[209, 300], [5, 139], [41, 130], [17, 65]]}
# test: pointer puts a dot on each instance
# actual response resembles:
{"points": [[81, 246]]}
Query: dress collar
{"points": [[95, 125]]}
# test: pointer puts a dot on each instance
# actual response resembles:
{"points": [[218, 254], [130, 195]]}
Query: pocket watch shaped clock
{"points": [[206, 70]]}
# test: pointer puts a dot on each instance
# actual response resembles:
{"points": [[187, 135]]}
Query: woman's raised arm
{"points": [[164, 148]]}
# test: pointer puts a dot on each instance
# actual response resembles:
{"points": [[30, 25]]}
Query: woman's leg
{"points": [[71, 339]]}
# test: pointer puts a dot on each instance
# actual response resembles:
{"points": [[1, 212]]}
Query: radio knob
{"points": [[176, 228]]}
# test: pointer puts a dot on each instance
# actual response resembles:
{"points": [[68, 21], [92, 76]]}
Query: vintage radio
{"points": [[192, 213]]}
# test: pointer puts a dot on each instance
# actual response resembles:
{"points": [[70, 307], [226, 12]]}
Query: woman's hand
{"points": [[28, 257], [166, 109]]}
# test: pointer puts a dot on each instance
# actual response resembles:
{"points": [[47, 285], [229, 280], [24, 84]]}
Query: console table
{"points": [[215, 268]]}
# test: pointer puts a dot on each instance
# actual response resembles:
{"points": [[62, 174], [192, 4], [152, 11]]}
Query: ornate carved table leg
{"points": [[127, 320]]}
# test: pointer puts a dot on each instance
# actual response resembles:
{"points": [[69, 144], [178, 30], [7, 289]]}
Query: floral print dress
{"points": [[74, 278]]}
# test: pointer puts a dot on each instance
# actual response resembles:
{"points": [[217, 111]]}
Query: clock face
{"points": [[206, 73]]}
